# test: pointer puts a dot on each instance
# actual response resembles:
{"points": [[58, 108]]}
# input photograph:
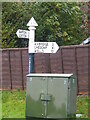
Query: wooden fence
{"points": [[69, 59]]}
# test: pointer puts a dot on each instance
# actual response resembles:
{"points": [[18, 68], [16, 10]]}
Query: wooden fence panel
{"points": [[69, 59], [41, 63], [6, 81], [25, 65], [0, 68], [16, 69], [56, 64], [82, 68]]}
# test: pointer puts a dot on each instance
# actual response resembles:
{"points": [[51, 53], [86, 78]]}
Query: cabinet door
{"points": [[57, 88], [35, 94], [72, 93]]}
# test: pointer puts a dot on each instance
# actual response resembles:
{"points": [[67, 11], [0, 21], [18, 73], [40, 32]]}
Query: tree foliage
{"points": [[14, 16], [59, 22]]}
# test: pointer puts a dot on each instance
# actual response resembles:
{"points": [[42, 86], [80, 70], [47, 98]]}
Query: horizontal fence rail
{"points": [[68, 59]]}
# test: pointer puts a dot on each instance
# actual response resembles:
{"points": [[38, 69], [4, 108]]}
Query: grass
{"points": [[82, 106], [13, 105]]}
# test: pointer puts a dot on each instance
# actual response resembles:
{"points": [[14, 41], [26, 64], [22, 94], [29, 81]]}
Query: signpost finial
{"points": [[32, 23]]}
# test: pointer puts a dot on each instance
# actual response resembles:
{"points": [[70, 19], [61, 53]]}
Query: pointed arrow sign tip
{"points": [[17, 33], [56, 47]]}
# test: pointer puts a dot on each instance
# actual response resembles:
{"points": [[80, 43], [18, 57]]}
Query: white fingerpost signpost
{"points": [[35, 47], [32, 23]]}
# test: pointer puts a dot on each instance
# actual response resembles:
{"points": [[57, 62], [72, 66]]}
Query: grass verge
{"points": [[13, 104]]}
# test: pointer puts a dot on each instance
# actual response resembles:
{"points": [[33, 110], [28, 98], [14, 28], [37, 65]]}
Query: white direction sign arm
{"points": [[22, 33], [44, 47]]}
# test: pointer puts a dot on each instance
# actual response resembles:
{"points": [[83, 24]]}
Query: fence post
{"points": [[61, 60], [22, 69], [9, 62], [76, 70]]}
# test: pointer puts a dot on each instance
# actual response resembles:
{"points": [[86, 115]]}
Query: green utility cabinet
{"points": [[51, 96]]}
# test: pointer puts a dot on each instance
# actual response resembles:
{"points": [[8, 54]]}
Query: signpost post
{"points": [[35, 47], [32, 23]]}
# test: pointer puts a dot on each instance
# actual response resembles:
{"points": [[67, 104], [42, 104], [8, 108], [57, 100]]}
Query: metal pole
{"points": [[31, 62]]}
